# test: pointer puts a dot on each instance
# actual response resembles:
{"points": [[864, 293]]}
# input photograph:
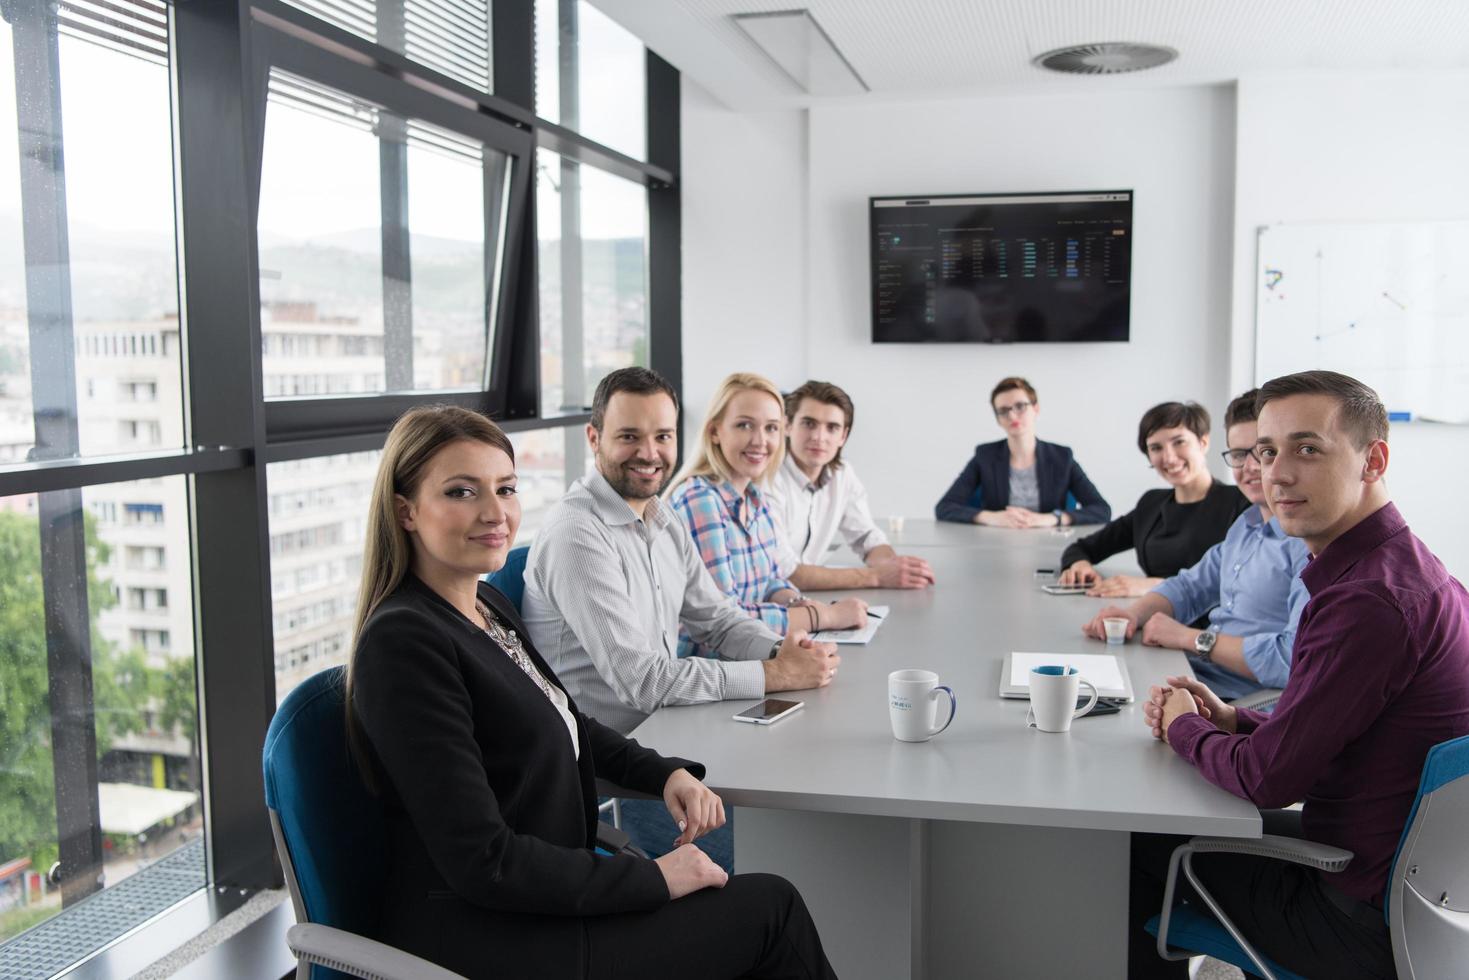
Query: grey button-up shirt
{"points": [[604, 595]]}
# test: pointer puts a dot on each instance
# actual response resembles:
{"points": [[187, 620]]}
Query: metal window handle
{"points": [[53, 875]]}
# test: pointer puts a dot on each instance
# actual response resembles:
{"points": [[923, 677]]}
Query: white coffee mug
{"points": [[913, 698], [1053, 698]]}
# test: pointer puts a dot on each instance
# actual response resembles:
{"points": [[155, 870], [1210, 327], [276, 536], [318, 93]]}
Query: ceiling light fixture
{"points": [[1107, 58], [797, 44]]}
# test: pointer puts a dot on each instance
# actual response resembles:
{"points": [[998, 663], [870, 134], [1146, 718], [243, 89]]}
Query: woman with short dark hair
{"points": [[1170, 529], [487, 770], [1020, 481]]}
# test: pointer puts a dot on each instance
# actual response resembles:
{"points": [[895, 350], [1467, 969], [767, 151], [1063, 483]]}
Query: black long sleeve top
{"points": [[1168, 536]]}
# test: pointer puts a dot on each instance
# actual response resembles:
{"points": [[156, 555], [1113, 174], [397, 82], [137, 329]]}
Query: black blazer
{"points": [[985, 485], [491, 819], [1168, 536]]}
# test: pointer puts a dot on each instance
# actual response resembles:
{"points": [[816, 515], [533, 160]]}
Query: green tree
{"points": [[27, 793], [124, 688]]}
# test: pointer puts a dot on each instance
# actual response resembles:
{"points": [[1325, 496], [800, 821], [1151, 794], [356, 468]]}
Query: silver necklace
{"points": [[509, 642]]}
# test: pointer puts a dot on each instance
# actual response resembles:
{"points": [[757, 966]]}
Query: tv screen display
{"points": [[1001, 268]]}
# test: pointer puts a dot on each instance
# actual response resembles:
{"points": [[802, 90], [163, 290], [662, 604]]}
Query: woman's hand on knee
{"points": [[693, 806], [688, 869]]}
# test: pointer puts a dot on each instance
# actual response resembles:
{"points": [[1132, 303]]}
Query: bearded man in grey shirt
{"points": [[613, 572]]}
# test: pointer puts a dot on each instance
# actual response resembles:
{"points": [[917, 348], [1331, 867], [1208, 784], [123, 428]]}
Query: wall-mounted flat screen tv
{"points": [[1001, 268]]}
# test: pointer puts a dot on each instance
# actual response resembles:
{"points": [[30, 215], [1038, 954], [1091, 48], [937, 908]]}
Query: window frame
{"points": [[220, 55]]}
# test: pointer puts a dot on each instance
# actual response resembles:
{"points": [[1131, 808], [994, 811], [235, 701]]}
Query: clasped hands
{"points": [[1017, 517], [1180, 696]]}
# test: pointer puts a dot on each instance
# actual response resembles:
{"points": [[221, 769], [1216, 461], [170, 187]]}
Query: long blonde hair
{"points": [[709, 459], [387, 553]]}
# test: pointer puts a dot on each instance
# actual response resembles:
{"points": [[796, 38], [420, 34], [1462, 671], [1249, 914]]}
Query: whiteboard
{"points": [[1386, 303]]}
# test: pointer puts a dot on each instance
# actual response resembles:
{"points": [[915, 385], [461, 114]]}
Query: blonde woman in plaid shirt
{"points": [[718, 494]]}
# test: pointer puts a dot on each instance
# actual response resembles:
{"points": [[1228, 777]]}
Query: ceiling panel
{"points": [[976, 47]]}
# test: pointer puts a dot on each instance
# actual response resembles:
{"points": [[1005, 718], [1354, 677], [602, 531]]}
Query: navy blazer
{"points": [[985, 485]]}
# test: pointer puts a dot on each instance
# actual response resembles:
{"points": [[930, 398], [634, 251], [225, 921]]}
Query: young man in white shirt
{"points": [[815, 495]]}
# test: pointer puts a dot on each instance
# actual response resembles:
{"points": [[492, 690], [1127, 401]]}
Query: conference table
{"points": [[992, 850]]}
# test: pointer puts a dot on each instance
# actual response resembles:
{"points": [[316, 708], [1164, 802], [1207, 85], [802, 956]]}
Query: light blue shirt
{"points": [[1252, 583]]}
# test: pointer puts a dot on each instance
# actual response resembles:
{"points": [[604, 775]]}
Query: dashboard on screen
{"points": [[1001, 268]]}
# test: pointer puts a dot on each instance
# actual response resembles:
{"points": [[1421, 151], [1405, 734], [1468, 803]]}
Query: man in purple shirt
{"points": [[1380, 675]]}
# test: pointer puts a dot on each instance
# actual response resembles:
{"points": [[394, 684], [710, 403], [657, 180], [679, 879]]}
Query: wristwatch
{"points": [[1204, 645]]}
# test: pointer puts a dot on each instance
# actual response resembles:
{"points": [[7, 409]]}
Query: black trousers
{"points": [[1288, 912], [756, 926]]}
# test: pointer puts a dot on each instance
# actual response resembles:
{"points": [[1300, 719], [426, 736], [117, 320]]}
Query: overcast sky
{"points": [[318, 178]]}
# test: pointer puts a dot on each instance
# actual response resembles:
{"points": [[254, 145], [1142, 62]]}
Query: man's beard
{"points": [[627, 485]]}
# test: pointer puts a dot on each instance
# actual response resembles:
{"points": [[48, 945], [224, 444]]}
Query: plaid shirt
{"points": [[736, 538]]}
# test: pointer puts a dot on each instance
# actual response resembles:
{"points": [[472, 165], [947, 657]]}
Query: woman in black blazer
{"points": [[487, 770], [1169, 529], [1021, 481]]}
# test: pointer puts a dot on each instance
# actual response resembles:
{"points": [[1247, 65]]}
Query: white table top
{"points": [[838, 754]]}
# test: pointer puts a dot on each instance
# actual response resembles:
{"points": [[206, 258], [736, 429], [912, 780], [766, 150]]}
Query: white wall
{"points": [[922, 408], [1345, 147], [744, 246]]}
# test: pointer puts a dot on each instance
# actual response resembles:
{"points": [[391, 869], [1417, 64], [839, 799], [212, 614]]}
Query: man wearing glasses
{"points": [[1251, 581]]}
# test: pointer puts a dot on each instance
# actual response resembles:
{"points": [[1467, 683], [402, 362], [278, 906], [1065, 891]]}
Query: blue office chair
{"points": [[1427, 905], [510, 579], [330, 836]]}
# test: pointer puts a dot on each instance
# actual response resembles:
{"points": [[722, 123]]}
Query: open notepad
{"points": [[862, 635]]}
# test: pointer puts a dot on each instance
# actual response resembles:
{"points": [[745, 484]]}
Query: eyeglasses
{"points": [[1017, 409], [1236, 457]]}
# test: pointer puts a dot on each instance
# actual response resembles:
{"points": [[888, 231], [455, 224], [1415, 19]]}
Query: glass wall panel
{"points": [[592, 230], [450, 36], [591, 75], [540, 472], [318, 517], [89, 311], [135, 588], [373, 248]]}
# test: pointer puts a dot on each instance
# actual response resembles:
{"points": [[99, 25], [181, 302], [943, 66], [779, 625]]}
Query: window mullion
{"points": [[53, 387]]}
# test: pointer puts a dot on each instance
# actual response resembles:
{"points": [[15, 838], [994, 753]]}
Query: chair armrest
{"points": [[1259, 700], [359, 956], [605, 787], [1292, 849]]}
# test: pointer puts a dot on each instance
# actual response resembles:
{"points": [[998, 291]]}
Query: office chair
{"points": [[1262, 700], [1427, 907], [330, 837], [510, 581]]}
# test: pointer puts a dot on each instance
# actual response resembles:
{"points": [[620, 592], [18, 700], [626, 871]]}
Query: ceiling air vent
{"points": [[1108, 58]]}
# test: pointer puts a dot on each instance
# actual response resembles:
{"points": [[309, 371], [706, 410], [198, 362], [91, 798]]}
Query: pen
{"points": [[873, 614]]}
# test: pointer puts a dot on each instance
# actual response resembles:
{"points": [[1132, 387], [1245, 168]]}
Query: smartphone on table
{"points": [[770, 711]]}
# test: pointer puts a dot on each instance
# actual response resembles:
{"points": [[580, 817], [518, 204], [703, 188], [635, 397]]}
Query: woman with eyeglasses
{"points": [[1169, 529], [1019, 481], [487, 770]]}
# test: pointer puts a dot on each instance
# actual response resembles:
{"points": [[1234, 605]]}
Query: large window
{"points": [[373, 247], [89, 301], [590, 75], [592, 236], [122, 780], [237, 239]]}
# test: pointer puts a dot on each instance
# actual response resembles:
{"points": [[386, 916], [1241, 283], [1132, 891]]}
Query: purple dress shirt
{"points": [[1380, 676]]}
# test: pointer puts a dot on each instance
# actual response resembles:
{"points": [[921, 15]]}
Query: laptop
{"points": [[1105, 670]]}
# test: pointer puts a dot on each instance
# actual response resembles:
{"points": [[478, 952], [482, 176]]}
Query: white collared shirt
{"points": [[808, 517], [605, 594]]}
